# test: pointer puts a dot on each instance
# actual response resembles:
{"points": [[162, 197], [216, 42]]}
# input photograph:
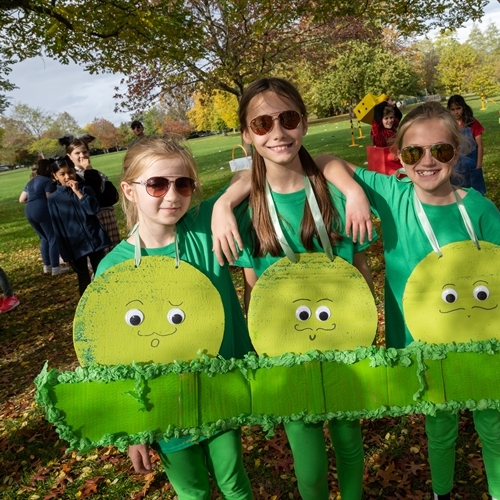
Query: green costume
{"points": [[187, 463], [405, 246], [307, 440], [405, 243]]}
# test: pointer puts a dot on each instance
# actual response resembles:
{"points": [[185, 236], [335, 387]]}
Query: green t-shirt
{"points": [[195, 247], [290, 209], [405, 242]]}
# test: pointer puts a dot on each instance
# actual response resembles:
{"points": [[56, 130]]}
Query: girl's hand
{"points": [[358, 217], [139, 454], [224, 233], [85, 164], [74, 186]]}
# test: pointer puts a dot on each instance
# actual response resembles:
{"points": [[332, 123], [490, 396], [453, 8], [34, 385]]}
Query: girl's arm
{"points": [[479, 143], [250, 278], [358, 216], [361, 264], [225, 234], [139, 454], [23, 197]]}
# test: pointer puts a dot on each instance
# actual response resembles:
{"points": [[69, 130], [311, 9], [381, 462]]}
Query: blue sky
{"points": [[53, 87]]}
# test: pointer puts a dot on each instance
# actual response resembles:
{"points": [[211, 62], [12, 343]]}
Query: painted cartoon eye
{"points": [[134, 317], [449, 295], [323, 313], [303, 313], [481, 292], [176, 316]]}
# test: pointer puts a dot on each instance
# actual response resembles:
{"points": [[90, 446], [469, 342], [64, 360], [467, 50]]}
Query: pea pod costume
{"points": [[144, 307], [413, 272]]}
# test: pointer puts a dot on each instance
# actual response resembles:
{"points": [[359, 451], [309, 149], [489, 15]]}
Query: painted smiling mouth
{"points": [[334, 325], [156, 333]]}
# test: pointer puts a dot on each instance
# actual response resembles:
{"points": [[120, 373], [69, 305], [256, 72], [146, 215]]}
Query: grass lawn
{"points": [[33, 461]]}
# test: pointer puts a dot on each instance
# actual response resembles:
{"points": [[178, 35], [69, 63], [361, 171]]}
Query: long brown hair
{"points": [[266, 240]]}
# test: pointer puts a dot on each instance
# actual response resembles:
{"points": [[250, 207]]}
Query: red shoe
{"points": [[9, 303]]}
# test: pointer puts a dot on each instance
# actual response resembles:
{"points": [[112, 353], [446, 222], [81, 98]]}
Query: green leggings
{"points": [[311, 462], [220, 456], [442, 433]]}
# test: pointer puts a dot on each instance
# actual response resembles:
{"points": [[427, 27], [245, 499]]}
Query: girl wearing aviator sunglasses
{"points": [[418, 219], [158, 181], [273, 119]]}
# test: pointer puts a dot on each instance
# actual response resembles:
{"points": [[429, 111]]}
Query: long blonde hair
{"points": [[266, 240], [142, 155]]}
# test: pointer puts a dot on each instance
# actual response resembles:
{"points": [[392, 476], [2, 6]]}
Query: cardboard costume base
{"points": [[124, 405], [135, 403]]}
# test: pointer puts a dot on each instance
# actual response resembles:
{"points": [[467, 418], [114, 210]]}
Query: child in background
{"points": [[159, 177], [273, 118], [470, 163], [38, 189], [386, 118], [428, 143], [73, 209], [77, 151], [10, 301]]}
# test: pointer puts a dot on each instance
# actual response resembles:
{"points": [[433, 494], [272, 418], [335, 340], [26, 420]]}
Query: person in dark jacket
{"points": [[78, 155], [73, 209]]}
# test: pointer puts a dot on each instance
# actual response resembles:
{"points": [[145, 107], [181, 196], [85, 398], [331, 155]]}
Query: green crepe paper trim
{"points": [[208, 395]]}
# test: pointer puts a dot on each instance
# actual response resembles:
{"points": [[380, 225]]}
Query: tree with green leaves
{"points": [[45, 147], [425, 60], [485, 79], [365, 68], [35, 131], [457, 64], [165, 45]]}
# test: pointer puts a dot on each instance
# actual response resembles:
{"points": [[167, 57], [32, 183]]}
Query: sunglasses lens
{"points": [[157, 186], [411, 154], [290, 119], [443, 152], [184, 186], [262, 124]]}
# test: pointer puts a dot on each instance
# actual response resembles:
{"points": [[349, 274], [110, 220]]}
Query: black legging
{"points": [[81, 268]]}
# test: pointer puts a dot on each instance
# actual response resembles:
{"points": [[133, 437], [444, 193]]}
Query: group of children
{"points": [[70, 206], [300, 203]]}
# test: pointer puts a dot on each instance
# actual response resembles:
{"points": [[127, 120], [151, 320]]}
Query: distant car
{"points": [[4, 168]]}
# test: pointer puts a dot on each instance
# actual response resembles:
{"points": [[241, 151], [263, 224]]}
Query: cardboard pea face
{"points": [[151, 313], [314, 304], [455, 298]]}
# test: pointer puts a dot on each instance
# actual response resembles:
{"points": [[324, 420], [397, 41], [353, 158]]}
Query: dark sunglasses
{"points": [[136, 127], [443, 153], [262, 125], [159, 186]]}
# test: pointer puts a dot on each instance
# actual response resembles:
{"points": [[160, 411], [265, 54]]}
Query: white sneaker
{"points": [[59, 270], [47, 269]]}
